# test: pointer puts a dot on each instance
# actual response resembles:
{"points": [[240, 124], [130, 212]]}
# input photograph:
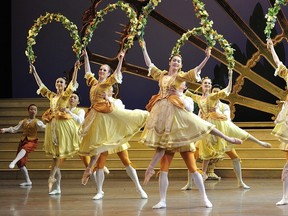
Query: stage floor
{"points": [[121, 199]]}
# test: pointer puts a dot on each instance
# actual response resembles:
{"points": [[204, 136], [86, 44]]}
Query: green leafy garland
{"points": [[142, 20], [131, 14], [48, 18], [271, 16], [208, 32]]}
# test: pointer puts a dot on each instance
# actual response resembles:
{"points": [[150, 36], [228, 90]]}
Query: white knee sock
{"points": [[100, 180], [26, 176], [238, 172], [20, 155], [163, 186], [198, 180], [134, 177], [284, 200], [188, 186]]}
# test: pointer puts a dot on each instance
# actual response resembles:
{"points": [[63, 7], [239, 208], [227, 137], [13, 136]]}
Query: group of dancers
{"points": [[169, 126]]}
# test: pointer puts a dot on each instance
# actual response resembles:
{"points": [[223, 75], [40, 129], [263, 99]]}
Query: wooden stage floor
{"points": [[121, 199]]}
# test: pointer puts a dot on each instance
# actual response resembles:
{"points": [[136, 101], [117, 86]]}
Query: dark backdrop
{"points": [[55, 56]]}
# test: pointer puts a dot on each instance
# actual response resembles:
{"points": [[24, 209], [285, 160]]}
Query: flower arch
{"points": [[131, 14], [208, 32], [48, 18]]}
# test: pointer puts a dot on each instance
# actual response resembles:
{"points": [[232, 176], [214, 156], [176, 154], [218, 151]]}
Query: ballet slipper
{"points": [[243, 185], [55, 192], [86, 176], [148, 174], [98, 196], [25, 184], [161, 204], [283, 201], [12, 165]]}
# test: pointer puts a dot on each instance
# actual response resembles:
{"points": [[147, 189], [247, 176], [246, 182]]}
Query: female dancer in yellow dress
{"points": [[61, 137], [122, 152], [104, 126], [281, 127], [171, 128], [211, 147]]}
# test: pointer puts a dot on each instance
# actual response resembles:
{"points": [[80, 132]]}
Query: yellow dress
{"points": [[61, 137], [104, 126], [214, 147], [170, 126], [281, 123]]}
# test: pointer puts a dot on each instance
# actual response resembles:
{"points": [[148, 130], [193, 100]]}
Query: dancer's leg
{"points": [[26, 176], [88, 170], [163, 187], [284, 200], [57, 191], [188, 186], [150, 169], [132, 173], [261, 143], [18, 157], [218, 133], [99, 182]]}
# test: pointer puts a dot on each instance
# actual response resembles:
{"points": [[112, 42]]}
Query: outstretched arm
{"points": [[270, 47], [35, 74], [147, 59]]}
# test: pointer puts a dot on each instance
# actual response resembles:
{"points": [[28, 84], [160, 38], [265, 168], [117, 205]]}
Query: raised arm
{"points": [[86, 62], [147, 59], [270, 47], [229, 86], [75, 72], [202, 64], [35, 74], [120, 61]]}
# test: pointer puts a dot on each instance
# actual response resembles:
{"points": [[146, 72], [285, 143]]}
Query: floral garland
{"points": [[271, 16], [131, 14], [48, 18], [142, 20], [208, 32]]}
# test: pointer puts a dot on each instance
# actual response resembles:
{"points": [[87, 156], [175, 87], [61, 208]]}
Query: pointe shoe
{"points": [[148, 174], [161, 204], [86, 176], [243, 185], [26, 184], [143, 194], [266, 145], [283, 201], [12, 165], [207, 203], [187, 187], [51, 181], [98, 196], [55, 192], [106, 170]]}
